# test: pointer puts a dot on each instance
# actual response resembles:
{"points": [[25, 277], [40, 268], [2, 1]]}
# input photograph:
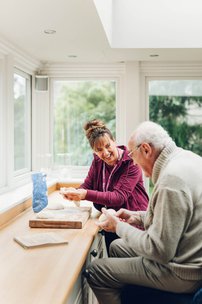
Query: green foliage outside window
{"points": [[172, 112], [74, 104]]}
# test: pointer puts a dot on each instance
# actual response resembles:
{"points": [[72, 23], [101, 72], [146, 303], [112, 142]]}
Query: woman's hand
{"points": [[73, 194]]}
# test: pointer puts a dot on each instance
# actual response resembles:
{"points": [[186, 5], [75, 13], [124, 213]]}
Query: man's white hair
{"points": [[151, 133]]}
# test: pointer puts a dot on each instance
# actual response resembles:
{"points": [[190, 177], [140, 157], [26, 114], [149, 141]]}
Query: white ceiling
{"points": [[79, 32], [151, 24]]}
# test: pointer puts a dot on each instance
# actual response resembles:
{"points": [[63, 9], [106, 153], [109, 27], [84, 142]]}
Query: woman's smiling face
{"points": [[105, 148]]}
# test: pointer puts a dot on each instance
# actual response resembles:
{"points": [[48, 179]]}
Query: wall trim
{"points": [[83, 70], [22, 60], [174, 68]]}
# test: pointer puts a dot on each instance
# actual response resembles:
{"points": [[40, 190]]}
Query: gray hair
{"points": [[151, 133]]}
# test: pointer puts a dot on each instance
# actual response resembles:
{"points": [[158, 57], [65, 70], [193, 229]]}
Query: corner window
{"points": [[177, 106]]}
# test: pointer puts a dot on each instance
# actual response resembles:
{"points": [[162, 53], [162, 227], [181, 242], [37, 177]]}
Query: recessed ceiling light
{"points": [[72, 56], [154, 55], [49, 32]]}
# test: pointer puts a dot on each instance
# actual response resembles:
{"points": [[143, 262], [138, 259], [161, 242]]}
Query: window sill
{"points": [[17, 196], [16, 201]]}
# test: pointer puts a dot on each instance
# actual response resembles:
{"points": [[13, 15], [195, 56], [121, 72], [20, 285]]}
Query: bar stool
{"points": [[133, 294]]}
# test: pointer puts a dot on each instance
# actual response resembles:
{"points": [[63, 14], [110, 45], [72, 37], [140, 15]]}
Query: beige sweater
{"points": [[173, 221]]}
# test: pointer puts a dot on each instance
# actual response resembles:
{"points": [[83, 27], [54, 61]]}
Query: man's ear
{"points": [[147, 149]]}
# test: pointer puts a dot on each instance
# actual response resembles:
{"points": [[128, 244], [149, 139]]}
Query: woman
{"points": [[113, 181]]}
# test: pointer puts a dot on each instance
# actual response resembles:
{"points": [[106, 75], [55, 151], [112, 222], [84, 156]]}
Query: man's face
{"points": [[141, 155]]}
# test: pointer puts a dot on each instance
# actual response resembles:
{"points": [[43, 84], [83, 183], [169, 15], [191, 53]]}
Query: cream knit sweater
{"points": [[173, 220]]}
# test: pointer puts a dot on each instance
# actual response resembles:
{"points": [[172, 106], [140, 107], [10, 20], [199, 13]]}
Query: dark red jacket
{"points": [[125, 190]]}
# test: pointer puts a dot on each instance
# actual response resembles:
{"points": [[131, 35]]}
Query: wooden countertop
{"points": [[44, 275]]}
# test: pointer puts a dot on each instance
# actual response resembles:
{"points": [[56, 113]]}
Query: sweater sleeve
{"points": [[171, 215], [88, 182], [125, 183]]}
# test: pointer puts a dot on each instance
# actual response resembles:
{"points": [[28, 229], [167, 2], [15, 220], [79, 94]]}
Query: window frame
{"points": [[9, 179], [27, 168], [81, 171], [194, 122], [163, 71], [2, 130], [153, 78]]}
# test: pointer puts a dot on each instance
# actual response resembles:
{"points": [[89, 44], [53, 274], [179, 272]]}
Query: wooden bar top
{"points": [[44, 275]]}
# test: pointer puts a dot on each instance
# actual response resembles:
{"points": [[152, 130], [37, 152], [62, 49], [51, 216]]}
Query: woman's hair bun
{"points": [[94, 129], [94, 124]]}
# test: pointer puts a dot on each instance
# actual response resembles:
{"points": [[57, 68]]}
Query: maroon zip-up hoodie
{"points": [[125, 189]]}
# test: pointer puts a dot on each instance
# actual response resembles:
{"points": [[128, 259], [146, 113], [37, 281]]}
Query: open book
{"points": [[40, 239]]}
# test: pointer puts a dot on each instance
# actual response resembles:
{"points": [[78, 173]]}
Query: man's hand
{"points": [[131, 217], [110, 223]]}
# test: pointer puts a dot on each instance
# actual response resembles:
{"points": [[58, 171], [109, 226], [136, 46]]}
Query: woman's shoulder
{"points": [[127, 160], [95, 157], [96, 160]]}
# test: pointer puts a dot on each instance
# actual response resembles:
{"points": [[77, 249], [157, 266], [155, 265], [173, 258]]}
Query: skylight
{"points": [[151, 23]]}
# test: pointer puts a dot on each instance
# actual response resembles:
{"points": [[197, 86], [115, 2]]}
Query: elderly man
{"points": [[167, 254]]}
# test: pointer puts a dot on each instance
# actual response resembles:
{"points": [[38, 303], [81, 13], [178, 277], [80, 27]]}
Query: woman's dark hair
{"points": [[94, 129]]}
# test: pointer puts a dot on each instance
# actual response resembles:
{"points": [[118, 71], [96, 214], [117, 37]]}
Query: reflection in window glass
{"points": [[76, 102], [177, 106], [21, 122]]}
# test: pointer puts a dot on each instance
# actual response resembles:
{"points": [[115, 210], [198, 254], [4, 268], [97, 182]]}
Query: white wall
{"points": [[40, 130]]}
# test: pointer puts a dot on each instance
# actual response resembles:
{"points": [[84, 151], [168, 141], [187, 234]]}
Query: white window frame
{"points": [[164, 71], [148, 79], [27, 169], [2, 131], [9, 179], [81, 171]]}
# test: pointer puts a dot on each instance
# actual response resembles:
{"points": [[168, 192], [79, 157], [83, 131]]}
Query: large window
{"points": [[74, 103], [2, 137], [177, 106], [15, 127], [22, 122]]}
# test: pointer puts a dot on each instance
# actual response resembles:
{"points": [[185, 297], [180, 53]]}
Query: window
{"points": [[2, 137], [15, 127], [22, 123], [74, 103], [177, 106]]}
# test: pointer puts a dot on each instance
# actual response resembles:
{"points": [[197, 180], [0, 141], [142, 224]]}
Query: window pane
{"points": [[21, 122], [177, 106], [76, 102], [2, 135]]}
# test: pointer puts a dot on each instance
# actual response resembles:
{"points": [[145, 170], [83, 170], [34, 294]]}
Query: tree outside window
{"points": [[76, 102], [177, 106]]}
